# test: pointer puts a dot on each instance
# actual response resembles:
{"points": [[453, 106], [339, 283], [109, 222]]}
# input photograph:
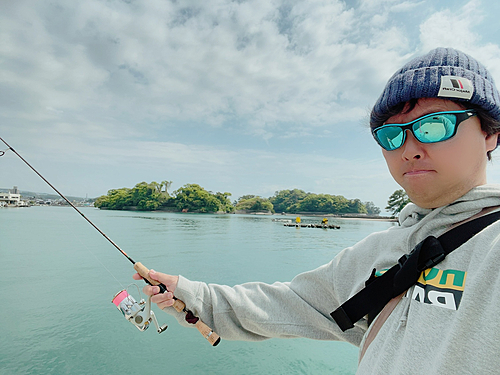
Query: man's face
{"points": [[436, 174]]}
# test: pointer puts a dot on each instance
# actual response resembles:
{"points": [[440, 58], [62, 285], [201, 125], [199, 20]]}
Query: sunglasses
{"points": [[432, 128]]}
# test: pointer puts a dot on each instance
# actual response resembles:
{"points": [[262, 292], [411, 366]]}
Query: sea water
{"points": [[58, 276]]}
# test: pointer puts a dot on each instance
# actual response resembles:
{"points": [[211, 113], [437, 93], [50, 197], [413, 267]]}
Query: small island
{"points": [[154, 196]]}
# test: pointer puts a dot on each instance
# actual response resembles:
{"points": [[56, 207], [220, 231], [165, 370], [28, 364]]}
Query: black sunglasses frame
{"points": [[461, 116]]}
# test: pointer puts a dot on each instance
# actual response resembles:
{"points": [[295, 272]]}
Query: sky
{"points": [[245, 97]]}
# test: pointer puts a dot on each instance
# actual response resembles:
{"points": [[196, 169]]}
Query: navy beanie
{"points": [[442, 73]]}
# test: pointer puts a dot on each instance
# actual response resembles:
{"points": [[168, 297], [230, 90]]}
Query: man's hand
{"points": [[162, 300]]}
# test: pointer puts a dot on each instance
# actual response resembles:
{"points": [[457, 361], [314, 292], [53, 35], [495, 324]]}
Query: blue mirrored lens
{"points": [[435, 128], [391, 137]]}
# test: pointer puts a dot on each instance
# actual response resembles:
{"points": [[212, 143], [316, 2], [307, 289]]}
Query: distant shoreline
{"points": [[348, 217], [288, 215], [333, 216], [380, 218]]}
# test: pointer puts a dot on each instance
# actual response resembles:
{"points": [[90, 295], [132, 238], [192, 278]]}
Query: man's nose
{"points": [[412, 149]]}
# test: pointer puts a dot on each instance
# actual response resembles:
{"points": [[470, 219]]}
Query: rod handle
{"points": [[180, 306], [144, 272], [207, 332]]}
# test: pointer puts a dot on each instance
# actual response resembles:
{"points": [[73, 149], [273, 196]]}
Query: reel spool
{"points": [[137, 313]]}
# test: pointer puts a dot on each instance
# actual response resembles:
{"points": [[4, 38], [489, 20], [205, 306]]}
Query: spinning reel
{"points": [[137, 313]]}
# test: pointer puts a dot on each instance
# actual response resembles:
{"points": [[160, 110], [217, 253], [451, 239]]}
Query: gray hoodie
{"points": [[443, 325]]}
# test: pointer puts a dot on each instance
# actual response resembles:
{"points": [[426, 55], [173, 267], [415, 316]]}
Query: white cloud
{"points": [[451, 29], [457, 29], [208, 89], [266, 63]]}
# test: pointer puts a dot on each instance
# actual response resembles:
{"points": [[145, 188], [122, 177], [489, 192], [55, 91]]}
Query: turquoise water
{"points": [[58, 276]]}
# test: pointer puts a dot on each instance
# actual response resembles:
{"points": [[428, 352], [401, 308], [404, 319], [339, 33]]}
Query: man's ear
{"points": [[491, 142]]}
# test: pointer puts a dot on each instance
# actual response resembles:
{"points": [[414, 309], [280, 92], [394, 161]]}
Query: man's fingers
{"points": [[158, 298], [150, 290], [165, 304], [170, 283], [160, 277]]}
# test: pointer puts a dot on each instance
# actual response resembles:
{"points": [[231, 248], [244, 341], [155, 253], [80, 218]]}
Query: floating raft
{"points": [[323, 226]]}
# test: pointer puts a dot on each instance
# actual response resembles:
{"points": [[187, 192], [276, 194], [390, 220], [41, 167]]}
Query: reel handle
{"points": [[205, 330]]}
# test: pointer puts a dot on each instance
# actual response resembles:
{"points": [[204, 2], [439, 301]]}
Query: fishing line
{"points": [[67, 200], [2, 153], [102, 264], [140, 314]]}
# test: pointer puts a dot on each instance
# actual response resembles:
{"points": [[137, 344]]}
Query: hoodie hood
{"points": [[466, 206]]}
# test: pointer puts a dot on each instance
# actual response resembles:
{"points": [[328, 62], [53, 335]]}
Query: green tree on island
{"points": [[153, 196], [397, 201], [143, 196], [323, 203], [254, 204], [371, 208], [294, 201], [287, 200], [149, 197], [225, 203], [116, 199], [192, 197]]}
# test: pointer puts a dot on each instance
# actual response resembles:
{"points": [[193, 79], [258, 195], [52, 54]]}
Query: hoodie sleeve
{"points": [[257, 311], [300, 308]]}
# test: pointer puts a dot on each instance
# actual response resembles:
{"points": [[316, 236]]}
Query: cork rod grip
{"points": [[180, 306], [207, 333]]}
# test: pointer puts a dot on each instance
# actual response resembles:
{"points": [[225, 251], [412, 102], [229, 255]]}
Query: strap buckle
{"points": [[432, 251], [403, 259], [432, 262]]}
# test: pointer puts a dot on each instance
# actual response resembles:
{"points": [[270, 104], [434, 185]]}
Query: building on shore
{"points": [[11, 198]]}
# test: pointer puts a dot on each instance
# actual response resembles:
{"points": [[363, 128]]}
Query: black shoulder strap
{"points": [[380, 290]]}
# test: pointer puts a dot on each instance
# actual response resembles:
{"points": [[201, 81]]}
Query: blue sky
{"points": [[246, 97]]}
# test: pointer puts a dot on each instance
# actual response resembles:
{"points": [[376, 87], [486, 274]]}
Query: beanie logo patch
{"points": [[456, 87]]}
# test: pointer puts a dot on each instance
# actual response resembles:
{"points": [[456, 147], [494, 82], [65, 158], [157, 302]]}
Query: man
{"points": [[437, 122]]}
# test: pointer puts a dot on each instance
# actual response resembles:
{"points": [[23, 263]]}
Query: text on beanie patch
{"points": [[456, 87]]}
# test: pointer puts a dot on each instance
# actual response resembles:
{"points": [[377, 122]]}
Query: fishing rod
{"points": [[138, 313]]}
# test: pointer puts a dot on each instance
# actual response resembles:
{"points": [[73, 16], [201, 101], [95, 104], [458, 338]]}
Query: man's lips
{"points": [[417, 172]]}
